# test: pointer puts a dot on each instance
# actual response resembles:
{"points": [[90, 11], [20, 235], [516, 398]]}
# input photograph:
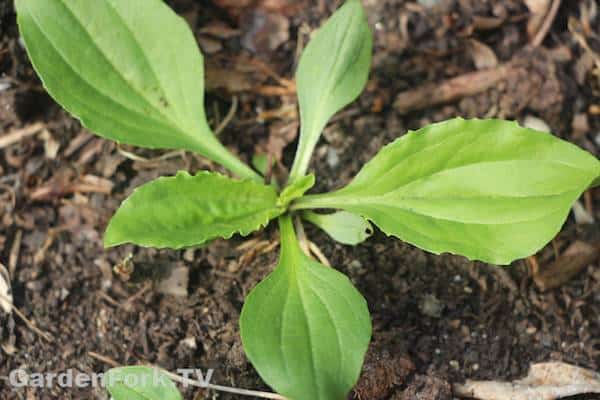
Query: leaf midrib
{"points": [[437, 144], [153, 106], [376, 201], [360, 188], [323, 100]]}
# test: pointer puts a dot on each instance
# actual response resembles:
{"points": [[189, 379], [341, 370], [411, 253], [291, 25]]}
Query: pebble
{"points": [[431, 306], [333, 159]]}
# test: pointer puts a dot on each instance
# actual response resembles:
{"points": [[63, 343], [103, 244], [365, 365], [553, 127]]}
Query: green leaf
{"points": [[332, 72], [261, 163], [130, 70], [305, 328], [186, 210], [487, 189], [296, 190], [342, 226], [140, 383]]}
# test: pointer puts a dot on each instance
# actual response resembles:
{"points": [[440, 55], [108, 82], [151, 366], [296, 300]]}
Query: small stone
{"points": [[190, 342], [531, 330], [454, 364], [536, 123], [333, 159], [431, 306]]}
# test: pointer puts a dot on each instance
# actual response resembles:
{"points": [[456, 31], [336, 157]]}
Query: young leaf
{"points": [[487, 189], [332, 72], [296, 190], [140, 383], [188, 210], [342, 226], [305, 328], [130, 70]]}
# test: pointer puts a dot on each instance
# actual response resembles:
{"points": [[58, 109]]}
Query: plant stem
{"points": [[287, 232], [239, 168], [311, 202], [221, 155], [226, 389], [303, 154]]}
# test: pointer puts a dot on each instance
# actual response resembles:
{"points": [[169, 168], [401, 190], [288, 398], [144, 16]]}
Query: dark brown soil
{"points": [[437, 319]]}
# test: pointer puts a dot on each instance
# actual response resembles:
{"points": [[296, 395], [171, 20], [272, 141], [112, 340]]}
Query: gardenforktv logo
{"points": [[70, 378]]}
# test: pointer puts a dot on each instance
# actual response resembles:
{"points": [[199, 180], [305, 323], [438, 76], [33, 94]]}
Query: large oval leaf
{"points": [[140, 383], [487, 189], [305, 328], [332, 72], [130, 70], [186, 210]]}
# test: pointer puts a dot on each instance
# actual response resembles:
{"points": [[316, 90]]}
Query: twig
{"points": [[20, 134], [48, 337], [163, 157], [228, 117], [219, 388], [129, 302], [190, 382], [104, 359], [318, 253], [103, 295], [13, 258], [432, 94], [545, 28]]}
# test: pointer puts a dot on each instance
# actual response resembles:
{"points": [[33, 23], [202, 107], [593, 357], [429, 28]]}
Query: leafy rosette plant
{"points": [[490, 190]]}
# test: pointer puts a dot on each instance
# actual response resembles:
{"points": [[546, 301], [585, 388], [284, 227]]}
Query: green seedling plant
{"points": [[140, 383], [489, 190]]}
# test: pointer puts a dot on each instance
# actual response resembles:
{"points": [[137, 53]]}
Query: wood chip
{"points": [[537, 11], [51, 145], [577, 256], [483, 56]]}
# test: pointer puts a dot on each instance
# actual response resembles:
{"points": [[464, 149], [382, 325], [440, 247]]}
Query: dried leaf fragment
{"points": [[545, 381]]}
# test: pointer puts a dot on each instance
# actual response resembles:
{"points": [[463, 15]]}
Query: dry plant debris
{"points": [[545, 381]]}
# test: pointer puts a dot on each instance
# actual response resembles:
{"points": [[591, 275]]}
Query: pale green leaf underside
{"points": [[332, 72], [130, 70], [305, 328], [486, 189], [344, 227], [140, 383], [186, 210]]}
